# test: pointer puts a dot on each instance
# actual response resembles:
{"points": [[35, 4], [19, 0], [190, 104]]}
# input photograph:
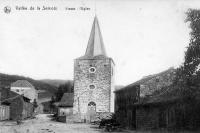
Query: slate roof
{"points": [[66, 101], [22, 83], [168, 94], [147, 78], [152, 76], [95, 46], [13, 96]]}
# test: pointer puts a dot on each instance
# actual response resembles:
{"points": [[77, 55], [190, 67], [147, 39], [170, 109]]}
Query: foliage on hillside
{"points": [[65, 88], [6, 80], [54, 82]]}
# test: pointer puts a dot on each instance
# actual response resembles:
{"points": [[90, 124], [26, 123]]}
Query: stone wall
{"points": [[101, 79], [147, 118], [124, 102], [157, 82]]}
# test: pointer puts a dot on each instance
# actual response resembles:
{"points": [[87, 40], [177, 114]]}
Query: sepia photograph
{"points": [[98, 66]]}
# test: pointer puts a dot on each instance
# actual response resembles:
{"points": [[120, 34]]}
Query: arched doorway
{"points": [[91, 111]]}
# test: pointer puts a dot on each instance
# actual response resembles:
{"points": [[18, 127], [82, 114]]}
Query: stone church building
{"points": [[93, 78]]}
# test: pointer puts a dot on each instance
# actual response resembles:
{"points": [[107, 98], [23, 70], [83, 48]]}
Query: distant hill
{"points": [[48, 89], [54, 82]]}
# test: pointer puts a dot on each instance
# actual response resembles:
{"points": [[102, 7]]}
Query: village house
{"points": [[25, 88], [19, 106], [158, 112], [127, 97], [169, 110], [65, 106]]}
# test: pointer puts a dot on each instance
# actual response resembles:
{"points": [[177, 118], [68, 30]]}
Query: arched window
{"points": [[92, 103]]}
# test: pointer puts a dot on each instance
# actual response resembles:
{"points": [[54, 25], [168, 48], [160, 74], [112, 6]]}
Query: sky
{"points": [[143, 37]]}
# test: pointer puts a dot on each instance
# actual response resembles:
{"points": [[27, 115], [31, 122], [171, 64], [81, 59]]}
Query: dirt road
{"points": [[43, 124]]}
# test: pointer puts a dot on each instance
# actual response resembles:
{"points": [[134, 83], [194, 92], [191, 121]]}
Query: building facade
{"points": [[153, 83], [23, 87], [65, 107], [134, 116], [125, 98], [19, 106], [93, 78]]}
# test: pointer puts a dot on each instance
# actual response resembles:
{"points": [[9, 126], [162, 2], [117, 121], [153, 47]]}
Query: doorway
{"points": [[91, 111]]}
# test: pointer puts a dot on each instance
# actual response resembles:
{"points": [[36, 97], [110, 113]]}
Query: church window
{"points": [[92, 86], [92, 69]]}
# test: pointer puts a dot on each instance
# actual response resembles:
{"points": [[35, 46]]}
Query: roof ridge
{"points": [[22, 83]]}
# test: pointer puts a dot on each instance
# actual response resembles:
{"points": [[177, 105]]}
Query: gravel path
{"points": [[43, 124]]}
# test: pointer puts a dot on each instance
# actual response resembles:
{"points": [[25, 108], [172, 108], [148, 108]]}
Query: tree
{"points": [[52, 104], [188, 74], [192, 55], [59, 93], [64, 88]]}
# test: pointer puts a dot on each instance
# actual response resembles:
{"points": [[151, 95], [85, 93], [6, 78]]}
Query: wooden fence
{"points": [[4, 112]]}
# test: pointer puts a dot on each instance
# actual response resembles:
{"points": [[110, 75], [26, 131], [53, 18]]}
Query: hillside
{"points": [[48, 90], [54, 82]]}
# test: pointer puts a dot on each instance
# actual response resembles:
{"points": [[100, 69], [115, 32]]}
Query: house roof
{"points": [[168, 94], [22, 83], [147, 78], [95, 46], [66, 101], [4, 93], [13, 96]]}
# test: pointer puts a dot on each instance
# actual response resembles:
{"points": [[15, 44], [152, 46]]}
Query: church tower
{"points": [[93, 78]]}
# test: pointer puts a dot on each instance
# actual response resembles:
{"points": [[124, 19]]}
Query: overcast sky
{"points": [[142, 37]]}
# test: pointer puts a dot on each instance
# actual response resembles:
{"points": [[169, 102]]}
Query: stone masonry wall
{"points": [[101, 78], [157, 82]]}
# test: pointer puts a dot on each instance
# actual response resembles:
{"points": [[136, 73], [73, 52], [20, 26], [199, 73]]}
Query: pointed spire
{"points": [[95, 44]]}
